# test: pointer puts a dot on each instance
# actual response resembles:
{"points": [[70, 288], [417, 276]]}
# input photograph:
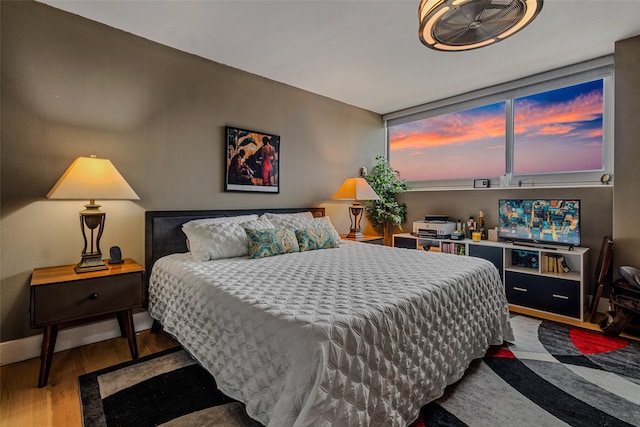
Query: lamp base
{"points": [[91, 263], [354, 234], [355, 214]]}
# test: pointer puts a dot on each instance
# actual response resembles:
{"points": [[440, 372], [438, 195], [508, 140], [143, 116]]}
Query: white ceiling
{"points": [[362, 52]]}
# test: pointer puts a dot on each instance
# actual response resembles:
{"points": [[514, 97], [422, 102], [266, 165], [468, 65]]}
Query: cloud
{"points": [[556, 129], [540, 118], [455, 128]]}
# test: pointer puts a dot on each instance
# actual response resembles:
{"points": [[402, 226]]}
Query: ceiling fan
{"points": [[455, 25]]}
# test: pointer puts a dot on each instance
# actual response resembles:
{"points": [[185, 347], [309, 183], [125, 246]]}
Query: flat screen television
{"points": [[555, 221]]}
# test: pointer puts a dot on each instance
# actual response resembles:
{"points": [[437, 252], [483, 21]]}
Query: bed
{"points": [[357, 334]]}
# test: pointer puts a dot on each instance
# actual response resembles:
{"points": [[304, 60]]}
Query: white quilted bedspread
{"points": [[360, 335]]}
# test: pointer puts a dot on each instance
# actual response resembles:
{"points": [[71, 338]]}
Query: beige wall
{"points": [[626, 200], [72, 87]]}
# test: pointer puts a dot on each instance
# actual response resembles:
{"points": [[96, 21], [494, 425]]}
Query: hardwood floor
{"points": [[22, 403], [573, 322]]}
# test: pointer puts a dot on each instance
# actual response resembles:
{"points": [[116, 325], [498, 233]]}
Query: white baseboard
{"points": [[29, 347]]}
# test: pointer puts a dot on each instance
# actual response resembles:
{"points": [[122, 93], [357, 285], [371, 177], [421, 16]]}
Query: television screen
{"points": [[540, 220]]}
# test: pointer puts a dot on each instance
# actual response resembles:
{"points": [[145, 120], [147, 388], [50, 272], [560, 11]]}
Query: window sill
{"points": [[512, 187]]}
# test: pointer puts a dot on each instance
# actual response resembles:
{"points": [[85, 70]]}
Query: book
{"points": [[556, 264]]}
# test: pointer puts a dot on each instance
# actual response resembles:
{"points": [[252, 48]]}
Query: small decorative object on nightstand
{"points": [[60, 297], [366, 238], [115, 255]]}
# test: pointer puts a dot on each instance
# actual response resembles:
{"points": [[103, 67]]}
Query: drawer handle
{"points": [[515, 288], [93, 296], [560, 296]]}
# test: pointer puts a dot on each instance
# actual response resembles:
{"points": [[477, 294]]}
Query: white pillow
{"points": [[220, 220], [258, 224], [325, 222], [300, 222], [223, 240], [284, 216]]}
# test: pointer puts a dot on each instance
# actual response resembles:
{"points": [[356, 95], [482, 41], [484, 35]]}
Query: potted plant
{"points": [[387, 212]]}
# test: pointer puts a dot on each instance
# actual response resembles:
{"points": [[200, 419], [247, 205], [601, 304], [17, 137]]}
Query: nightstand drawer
{"points": [[66, 301]]}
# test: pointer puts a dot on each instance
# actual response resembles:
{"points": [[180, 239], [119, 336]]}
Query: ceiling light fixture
{"points": [[455, 25]]}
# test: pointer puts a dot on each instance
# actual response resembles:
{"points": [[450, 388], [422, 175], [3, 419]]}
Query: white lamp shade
{"points": [[355, 189], [89, 178]]}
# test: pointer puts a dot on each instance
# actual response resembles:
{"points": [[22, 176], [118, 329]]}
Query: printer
{"points": [[435, 229]]}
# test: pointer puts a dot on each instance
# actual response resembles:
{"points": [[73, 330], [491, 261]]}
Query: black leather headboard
{"points": [[163, 229]]}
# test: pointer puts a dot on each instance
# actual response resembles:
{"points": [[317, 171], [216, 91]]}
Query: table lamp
{"points": [[90, 178], [355, 189]]}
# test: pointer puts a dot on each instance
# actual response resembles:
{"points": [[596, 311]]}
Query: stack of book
{"points": [[555, 263], [453, 248]]}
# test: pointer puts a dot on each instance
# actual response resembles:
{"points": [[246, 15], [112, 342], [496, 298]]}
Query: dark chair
{"points": [[602, 271], [625, 304]]}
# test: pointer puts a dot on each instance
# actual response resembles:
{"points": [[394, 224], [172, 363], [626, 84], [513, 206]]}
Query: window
{"points": [[547, 130], [559, 130], [466, 144]]}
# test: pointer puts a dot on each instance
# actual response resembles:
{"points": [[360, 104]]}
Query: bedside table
{"points": [[61, 297], [376, 240]]}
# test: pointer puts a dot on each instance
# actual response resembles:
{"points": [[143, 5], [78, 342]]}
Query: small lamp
{"points": [[355, 189], [89, 178]]}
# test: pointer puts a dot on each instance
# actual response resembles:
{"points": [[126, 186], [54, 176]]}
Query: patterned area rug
{"points": [[553, 375]]}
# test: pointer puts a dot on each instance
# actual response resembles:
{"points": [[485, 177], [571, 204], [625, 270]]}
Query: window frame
{"points": [[599, 68]]}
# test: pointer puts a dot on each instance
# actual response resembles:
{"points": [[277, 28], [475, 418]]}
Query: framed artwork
{"points": [[253, 161]]}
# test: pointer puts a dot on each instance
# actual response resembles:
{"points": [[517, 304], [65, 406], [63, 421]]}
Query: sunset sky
{"points": [[560, 130]]}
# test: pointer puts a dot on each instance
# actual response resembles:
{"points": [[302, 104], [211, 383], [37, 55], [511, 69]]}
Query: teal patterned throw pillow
{"points": [[264, 243], [311, 239]]}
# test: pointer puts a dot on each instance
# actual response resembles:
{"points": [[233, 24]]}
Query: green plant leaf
{"points": [[387, 183]]}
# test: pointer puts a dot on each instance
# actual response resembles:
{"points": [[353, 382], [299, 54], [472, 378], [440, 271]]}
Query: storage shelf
{"points": [[572, 275], [526, 270], [536, 287]]}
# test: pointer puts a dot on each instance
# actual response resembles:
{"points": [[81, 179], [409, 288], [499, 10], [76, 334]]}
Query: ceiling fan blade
{"points": [[456, 37], [486, 31], [512, 11], [473, 10]]}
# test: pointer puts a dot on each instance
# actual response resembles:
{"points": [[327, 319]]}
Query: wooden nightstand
{"points": [[376, 240], [61, 297]]}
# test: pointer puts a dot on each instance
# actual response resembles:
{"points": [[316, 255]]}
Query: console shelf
{"points": [[534, 277]]}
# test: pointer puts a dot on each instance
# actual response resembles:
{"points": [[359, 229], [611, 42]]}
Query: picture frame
{"points": [[252, 161]]}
